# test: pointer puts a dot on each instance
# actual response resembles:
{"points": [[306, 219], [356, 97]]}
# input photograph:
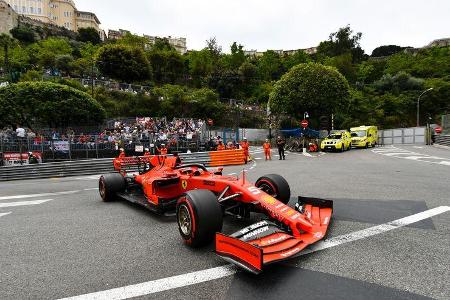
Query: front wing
{"points": [[265, 242]]}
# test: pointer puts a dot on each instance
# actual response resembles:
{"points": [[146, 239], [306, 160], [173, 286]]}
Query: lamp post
{"points": [[418, 105]]}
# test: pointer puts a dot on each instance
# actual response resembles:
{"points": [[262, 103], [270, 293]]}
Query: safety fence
{"points": [[100, 166], [15, 151], [413, 135]]}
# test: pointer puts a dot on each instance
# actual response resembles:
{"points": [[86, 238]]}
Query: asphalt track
{"points": [[57, 239]]}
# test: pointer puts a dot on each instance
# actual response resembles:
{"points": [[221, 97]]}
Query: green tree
{"points": [[25, 34], [200, 65], [44, 52], [49, 104], [237, 57], [168, 65], [342, 42], [270, 66], [311, 87], [344, 65], [64, 63], [300, 57], [6, 43], [386, 50], [128, 64], [89, 35]]}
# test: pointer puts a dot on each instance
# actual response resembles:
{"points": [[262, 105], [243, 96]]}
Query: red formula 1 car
{"points": [[201, 198]]}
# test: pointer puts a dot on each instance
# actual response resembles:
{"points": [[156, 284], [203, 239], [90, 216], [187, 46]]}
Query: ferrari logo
{"points": [[184, 184]]}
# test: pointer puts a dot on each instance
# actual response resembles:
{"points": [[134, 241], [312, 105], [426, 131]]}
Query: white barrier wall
{"points": [[413, 135], [252, 135]]}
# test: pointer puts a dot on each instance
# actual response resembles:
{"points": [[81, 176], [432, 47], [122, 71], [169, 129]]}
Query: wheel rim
{"points": [[102, 188], [184, 220], [268, 189]]}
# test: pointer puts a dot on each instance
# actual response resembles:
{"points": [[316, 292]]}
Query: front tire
{"points": [[276, 186], [199, 217], [109, 185]]}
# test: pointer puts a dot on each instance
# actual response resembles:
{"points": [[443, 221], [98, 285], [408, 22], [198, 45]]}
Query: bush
{"points": [[47, 103]]}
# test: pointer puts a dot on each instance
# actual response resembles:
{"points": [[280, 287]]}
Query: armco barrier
{"points": [[99, 166], [443, 140]]}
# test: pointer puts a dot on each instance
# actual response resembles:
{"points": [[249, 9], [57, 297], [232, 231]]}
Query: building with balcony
{"points": [[56, 12]]}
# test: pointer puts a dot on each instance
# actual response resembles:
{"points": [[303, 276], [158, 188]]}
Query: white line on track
{"points": [[4, 214], [164, 284], [410, 155], [24, 203], [38, 195], [45, 194]]}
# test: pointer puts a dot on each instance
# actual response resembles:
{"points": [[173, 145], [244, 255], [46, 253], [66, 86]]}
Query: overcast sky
{"points": [[278, 24]]}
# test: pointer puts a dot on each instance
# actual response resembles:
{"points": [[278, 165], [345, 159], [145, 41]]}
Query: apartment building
{"points": [[57, 12], [257, 53], [179, 43]]}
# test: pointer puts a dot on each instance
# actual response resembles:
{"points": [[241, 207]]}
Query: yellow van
{"points": [[364, 136], [337, 141]]}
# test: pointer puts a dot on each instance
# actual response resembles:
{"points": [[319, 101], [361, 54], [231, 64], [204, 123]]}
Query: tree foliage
{"points": [[311, 87], [124, 63], [24, 34], [89, 35], [48, 104]]}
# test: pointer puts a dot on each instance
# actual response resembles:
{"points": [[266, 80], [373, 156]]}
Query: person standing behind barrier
{"points": [[267, 150], [122, 153], [147, 152], [163, 150], [245, 146], [221, 146], [280, 144]]}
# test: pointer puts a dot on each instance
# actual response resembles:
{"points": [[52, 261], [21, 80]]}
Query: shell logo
{"points": [[269, 199]]}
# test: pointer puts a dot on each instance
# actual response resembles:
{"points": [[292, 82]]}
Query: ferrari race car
{"points": [[200, 198]]}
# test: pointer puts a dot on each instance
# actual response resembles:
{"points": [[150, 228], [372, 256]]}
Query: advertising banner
{"points": [[61, 146], [17, 159]]}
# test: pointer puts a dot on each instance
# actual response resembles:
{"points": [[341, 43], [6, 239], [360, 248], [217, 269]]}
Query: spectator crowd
{"points": [[139, 131]]}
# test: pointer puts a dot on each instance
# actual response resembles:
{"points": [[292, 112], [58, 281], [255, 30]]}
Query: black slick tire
{"points": [[109, 185], [276, 186], [199, 217]]}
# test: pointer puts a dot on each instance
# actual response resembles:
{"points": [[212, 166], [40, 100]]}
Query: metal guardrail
{"points": [[57, 169], [100, 166], [443, 140]]}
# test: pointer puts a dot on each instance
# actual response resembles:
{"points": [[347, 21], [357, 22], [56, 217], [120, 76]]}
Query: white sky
{"points": [[278, 24]]}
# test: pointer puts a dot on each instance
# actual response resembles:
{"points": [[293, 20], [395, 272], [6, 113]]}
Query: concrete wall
{"points": [[8, 17]]}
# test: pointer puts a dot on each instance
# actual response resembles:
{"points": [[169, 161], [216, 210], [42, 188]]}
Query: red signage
{"points": [[304, 123]]}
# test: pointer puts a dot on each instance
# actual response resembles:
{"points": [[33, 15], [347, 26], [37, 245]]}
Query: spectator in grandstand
{"points": [[20, 132]]}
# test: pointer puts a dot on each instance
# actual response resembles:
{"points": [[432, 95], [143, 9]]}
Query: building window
{"points": [[24, 9]]}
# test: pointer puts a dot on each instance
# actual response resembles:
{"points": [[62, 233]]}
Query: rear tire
{"points": [[276, 186], [109, 185], [199, 217]]}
